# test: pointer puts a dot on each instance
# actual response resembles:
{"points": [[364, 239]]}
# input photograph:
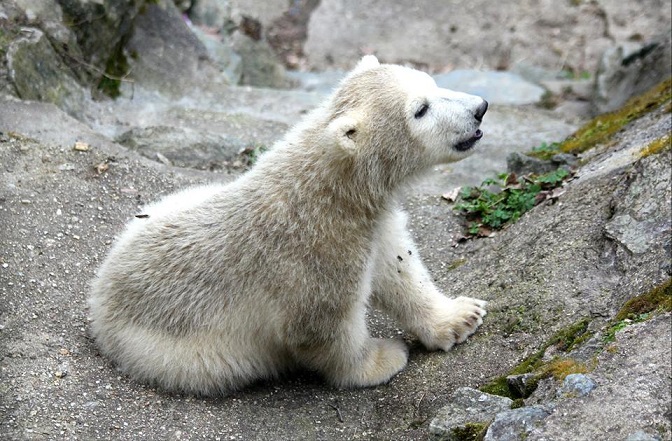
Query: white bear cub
{"points": [[218, 286]]}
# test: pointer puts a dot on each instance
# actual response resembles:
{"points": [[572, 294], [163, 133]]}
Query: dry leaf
{"points": [[452, 195], [102, 167]]}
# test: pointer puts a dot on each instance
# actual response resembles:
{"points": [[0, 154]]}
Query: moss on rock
{"points": [[657, 299], [656, 146], [469, 432], [602, 128], [565, 340]]}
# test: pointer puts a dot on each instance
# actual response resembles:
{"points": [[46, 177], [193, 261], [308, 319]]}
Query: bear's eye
{"points": [[422, 111]]}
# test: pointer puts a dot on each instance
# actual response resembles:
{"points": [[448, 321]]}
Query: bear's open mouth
{"points": [[469, 143]]}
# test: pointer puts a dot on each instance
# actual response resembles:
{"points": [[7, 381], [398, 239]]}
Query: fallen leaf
{"points": [[485, 232], [452, 195], [102, 167], [511, 179]]}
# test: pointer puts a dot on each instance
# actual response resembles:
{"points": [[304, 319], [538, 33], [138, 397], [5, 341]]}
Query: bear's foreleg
{"points": [[403, 288]]}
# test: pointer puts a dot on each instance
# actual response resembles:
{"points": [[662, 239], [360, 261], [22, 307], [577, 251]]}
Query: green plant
{"points": [[545, 151], [499, 202], [641, 308], [249, 155]]}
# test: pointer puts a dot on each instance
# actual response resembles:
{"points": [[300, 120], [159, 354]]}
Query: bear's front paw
{"points": [[453, 322]]}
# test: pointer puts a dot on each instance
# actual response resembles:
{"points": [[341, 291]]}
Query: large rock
{"points": [[101, 27], [627, 373], [469, 413], [630, 69], [495, 87], [222, 15], [85, 38], [38, 73], [183, 147], [166, 56], [260, 66], [557, 35], [515, 424]]}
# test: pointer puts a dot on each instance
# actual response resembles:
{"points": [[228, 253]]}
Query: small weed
{"points": [[250, 155], [610, 334], [572, 74], [545, 151], [116, 70], [499, 202]]}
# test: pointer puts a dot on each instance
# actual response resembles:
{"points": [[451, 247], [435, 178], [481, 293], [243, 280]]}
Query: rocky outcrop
{"points": [[38, 73], [119, 47], [630, 69], [492, 35]]}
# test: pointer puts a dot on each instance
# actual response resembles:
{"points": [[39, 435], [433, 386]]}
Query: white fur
{"points": [[222, 285]]}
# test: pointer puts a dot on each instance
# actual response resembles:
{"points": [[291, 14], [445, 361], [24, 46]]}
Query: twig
{"points": [[338, 412], [417, 406]]}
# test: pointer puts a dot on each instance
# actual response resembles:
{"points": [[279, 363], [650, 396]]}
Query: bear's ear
{"points": [[367, 62], [343, 130]]}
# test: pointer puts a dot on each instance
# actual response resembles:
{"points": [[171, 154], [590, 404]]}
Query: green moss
{"points": [[559, 368], [498, 386], [518, 403], [601, 129], [116, 69], [470, 432], [8, 33], [640, 308], [656, 146], [565, 340], [658, 299]]}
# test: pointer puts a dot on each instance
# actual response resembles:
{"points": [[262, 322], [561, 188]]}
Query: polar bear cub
{"points": [[218, 286]]}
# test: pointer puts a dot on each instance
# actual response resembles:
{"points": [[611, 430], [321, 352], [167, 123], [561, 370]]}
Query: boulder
{"points": [[39, 73], [183, 147], [629, 69], [101, 27], [495, 87], [260, 66], [559, 36], [515, 424], [469, 413], [166, 56]]}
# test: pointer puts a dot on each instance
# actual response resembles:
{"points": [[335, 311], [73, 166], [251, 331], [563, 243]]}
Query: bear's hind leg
{"points": [[351, 358]]}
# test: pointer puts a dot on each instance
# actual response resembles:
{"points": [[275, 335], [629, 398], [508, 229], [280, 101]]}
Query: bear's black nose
{"points": [[480, 111]]}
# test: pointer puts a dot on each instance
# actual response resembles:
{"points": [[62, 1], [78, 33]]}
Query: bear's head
{"points": [[398, 116]]}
